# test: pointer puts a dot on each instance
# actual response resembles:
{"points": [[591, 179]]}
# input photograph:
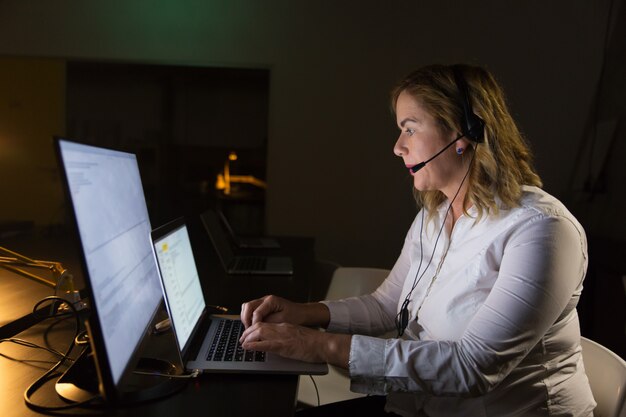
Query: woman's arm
{"points": [[542, 268]]}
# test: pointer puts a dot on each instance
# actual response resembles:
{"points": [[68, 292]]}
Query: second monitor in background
{"points": [[235, 264], [245, 242]]}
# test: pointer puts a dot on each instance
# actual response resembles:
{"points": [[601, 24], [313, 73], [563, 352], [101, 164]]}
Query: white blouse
{"points": [[493, 328]]}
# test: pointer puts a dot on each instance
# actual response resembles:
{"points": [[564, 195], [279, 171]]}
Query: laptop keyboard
{"points": [[251, 263], [226, 346]]}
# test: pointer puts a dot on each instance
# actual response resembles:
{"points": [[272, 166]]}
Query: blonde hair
{"points": [[502, 164]]}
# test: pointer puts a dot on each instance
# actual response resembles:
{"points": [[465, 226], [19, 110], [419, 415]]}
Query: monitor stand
{"points": [[80, 381]]}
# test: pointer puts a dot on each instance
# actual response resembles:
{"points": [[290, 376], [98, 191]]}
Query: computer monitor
{"points": [[121, 277]]}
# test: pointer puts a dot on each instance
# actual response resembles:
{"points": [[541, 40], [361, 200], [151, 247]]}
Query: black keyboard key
{"points": [[226, 347]]}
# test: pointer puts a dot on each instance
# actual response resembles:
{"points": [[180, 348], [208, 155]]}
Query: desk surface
{"points": [[210, 394]]}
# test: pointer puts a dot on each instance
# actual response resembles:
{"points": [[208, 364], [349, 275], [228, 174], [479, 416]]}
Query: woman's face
{"points": [[421, 137]]}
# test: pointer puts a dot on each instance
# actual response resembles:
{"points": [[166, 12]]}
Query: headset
{"points": [[473, 128]]}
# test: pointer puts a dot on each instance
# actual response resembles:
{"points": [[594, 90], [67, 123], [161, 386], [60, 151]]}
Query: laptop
{"points": [[248, 242], [207, 343], [235, 264]]}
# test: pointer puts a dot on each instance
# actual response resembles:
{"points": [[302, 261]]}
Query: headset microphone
{"points": [[421, 165]]}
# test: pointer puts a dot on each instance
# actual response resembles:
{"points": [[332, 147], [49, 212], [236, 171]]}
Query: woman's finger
{"points": [[248, 309]]}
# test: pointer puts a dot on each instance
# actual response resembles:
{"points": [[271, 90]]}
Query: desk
{"points": [[210, 394]]}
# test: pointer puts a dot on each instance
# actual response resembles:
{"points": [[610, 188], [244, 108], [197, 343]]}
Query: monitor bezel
{"points": [[111, 391]]}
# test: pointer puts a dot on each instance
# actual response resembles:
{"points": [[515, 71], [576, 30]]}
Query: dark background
{"points": [[300, 90]]}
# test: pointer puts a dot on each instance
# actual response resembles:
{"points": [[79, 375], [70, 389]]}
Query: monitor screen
{"points": [[121, 275]]}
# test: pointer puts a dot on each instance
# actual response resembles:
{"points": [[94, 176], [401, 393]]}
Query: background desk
{"points": [[208, 395]]}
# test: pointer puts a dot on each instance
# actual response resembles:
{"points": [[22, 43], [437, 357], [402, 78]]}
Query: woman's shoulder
{"points": [[537, 200], [537, 203]]}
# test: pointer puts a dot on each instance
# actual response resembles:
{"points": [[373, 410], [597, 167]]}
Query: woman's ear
{"points": [[462, 145]]}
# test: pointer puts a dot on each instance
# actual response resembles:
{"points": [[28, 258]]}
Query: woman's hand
{"points": [[274, 324], [297, 342], [273, 309]]}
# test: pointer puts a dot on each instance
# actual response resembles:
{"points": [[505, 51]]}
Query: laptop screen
{"points": [[109, 207], [179, 276]]}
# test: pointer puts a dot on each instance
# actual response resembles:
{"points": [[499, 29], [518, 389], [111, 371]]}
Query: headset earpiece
{"points": [[472, 125]]}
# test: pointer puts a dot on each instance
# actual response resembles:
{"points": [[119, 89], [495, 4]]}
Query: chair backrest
{"points": [[607, 376], [351, 282]]}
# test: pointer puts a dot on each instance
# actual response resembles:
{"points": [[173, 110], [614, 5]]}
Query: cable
{"points": [[402, 318], [194, 374], [82, 338], [29, 344], [26, 343], [32, 388], [60, 318], [317, 393]]}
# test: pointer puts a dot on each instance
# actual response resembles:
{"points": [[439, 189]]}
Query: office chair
{"points": [[607, 376], [335, 386], [324, 270]]}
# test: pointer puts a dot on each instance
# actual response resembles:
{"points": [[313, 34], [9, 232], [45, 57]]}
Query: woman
{"points": [[484, 292]]}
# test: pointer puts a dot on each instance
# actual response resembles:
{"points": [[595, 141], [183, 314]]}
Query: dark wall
{"points": [[331, 170]]}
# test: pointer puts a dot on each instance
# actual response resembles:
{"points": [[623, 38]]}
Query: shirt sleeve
{"points": [[543, 265]]}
